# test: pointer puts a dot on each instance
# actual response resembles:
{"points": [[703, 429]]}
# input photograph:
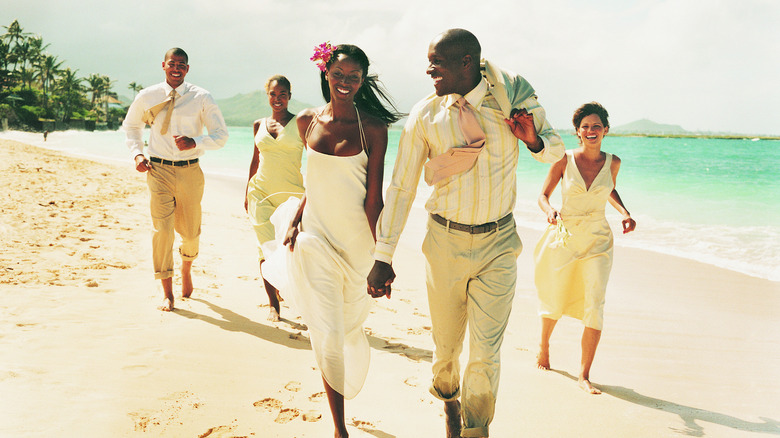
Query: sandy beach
{"points": [[688, 349]]}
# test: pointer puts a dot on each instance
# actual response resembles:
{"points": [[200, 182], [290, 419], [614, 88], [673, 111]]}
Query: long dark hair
{"points": [[369, 94]]}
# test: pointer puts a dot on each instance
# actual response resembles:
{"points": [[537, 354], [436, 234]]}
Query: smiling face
{"points": [[278, 96], [345, 77], [591, 130], [453, 68], [175, 68]]}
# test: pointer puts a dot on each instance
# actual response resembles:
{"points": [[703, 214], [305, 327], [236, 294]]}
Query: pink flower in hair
{"points": [[322, 54]]}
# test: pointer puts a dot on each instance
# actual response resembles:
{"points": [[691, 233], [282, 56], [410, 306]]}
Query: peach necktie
{"points": [[458, 159]]}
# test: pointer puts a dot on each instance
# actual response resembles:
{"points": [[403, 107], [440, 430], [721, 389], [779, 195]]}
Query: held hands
{"points": [[521, 122], [184, 143], [379, 280], [628, 225]]}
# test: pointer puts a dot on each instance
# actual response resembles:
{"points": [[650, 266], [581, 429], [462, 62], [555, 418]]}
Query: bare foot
{"points": [[186, 279], [273, 315], [543, 359], [453, 421], [167, 305], [588, 387]]}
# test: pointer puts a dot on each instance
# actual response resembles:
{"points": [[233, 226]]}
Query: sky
{"points": [[706, 65]]}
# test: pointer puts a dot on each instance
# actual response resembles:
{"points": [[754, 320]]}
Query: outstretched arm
{"points": [[412, 153], [376, 137]]}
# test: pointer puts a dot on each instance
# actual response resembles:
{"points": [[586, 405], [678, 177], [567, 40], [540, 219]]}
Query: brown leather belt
{"points": [[472, 229], [173, 163]]}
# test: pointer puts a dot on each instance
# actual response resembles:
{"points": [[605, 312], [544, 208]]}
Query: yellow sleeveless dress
{"points": [[571, 278], [278, 177]]}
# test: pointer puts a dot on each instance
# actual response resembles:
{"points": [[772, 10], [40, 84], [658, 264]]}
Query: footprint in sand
{"points": [[312, 416], [269, 404], [287, 415], [412, 381], [217, 431], [318, 397], [360, 424], [293, 386]]}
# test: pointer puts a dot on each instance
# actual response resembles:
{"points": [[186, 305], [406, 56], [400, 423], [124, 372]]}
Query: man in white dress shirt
{"points": [[177, 113]]}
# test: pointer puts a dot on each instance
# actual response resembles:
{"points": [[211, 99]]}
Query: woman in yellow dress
{"points": [[275, 171], [574, 256]]}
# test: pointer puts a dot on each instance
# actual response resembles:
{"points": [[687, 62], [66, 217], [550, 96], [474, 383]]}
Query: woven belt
{"points": [[173, 163], [473, 229]]}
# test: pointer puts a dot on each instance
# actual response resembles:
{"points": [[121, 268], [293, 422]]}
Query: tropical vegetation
{"points": [[37, 89]]}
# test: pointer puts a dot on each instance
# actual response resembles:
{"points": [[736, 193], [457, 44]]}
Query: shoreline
{"points": [[688, 348], [656, 238]]}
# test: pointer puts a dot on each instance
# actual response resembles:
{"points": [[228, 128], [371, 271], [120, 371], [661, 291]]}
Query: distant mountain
{"points": [[243, 109], [645, 126]]}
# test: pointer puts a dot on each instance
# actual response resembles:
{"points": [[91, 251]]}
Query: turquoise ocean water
{"points": [[711, 200]]}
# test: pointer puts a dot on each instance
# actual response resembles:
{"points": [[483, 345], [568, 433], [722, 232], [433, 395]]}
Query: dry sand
{"points": [[688, 349]]}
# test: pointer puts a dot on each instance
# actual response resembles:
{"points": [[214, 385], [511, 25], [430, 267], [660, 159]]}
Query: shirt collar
{"points": [[179, 90], [473, 97]]}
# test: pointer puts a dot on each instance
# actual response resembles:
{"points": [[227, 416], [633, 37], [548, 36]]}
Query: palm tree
{"points": [[36, 48], [95, 87], [5, 75], [14, 33], [27, 76], [69, 86], [136, 87], [48, 69], [106, 92]]}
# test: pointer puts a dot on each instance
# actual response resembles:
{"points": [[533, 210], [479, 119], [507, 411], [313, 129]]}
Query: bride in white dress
{"points": [[332, 234]]}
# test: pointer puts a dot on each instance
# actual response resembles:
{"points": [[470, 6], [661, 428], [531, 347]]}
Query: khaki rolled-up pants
{"points": [[471, 279], [176, 193]]}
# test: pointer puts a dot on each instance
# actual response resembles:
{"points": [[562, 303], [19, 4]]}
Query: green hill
{"points": [[645, 126], [243, 109]]}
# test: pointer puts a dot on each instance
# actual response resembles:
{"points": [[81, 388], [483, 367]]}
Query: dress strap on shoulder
{"points": [[360, 128], [310, 127]]}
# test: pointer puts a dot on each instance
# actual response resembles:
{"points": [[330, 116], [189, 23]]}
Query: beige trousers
{"points": [[176, 193], [471, 280]]}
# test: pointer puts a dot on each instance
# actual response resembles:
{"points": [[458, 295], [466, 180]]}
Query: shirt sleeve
{"points": [[553, 148], [133, 126], [412, 152], [215, 125]]}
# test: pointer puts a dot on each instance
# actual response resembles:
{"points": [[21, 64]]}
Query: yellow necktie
{"points": [[167, 120]]}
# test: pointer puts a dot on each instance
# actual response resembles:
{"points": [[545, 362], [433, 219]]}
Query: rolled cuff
{"points": [[163, 275], [453, 397], [468, 432], [384, 252]]}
